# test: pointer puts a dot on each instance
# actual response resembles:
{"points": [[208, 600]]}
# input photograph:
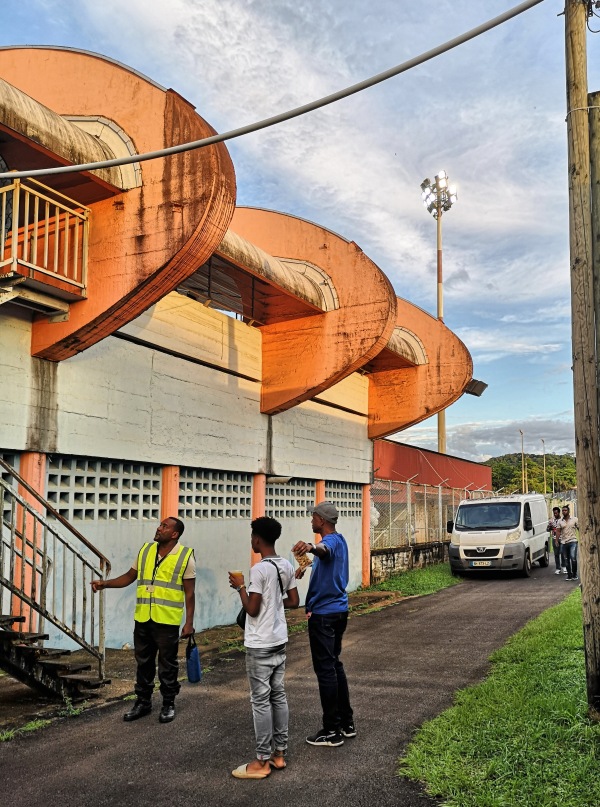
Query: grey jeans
{"points": [[266, 669]]}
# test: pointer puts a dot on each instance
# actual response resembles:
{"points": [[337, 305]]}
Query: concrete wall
{"points": [[157, 401], [386, 563]]}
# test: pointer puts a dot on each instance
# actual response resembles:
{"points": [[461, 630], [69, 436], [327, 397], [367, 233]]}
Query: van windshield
{"points": [[488, 516]]}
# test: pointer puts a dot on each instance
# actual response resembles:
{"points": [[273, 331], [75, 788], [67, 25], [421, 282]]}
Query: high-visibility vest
{"points": [[160, 594]]}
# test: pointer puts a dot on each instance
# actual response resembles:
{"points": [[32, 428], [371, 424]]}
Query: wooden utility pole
{"points": [[594, 127], [584, 340]]}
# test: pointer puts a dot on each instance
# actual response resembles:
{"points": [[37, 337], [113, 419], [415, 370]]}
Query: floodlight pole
{"points": [[438, 196], [441, 418]]}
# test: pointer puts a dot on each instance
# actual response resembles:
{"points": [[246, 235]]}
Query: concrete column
{"points": [[366, 535], [169, 494], [259, 497], [32, 468], [319, 497]]}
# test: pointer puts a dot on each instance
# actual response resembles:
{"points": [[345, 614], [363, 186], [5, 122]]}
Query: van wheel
{"points": [[545, 559], [526, 570]]}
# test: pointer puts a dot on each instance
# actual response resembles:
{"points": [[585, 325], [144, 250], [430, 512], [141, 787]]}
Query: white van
{"points": [[503, 533]]}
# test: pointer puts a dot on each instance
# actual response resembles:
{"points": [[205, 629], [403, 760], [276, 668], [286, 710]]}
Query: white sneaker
{"points": [[564, 570], [557, 571]]}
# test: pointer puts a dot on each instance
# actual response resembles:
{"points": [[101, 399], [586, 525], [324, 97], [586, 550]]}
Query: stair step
{"points": [[59, 664], [11, 635], [87, 681], [42, 652], [49, 652], [6, 619]]}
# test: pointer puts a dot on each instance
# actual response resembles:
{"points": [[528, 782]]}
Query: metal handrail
{"points": [[53, 225], [44, 571]]}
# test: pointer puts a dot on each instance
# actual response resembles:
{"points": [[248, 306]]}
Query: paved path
{"points": [[403, 663]]}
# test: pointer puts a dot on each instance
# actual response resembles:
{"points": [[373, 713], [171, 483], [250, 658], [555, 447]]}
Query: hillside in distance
{"points": [[507, 472]]}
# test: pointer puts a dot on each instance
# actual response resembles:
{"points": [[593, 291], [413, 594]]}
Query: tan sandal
{"points": [[243, 773]]}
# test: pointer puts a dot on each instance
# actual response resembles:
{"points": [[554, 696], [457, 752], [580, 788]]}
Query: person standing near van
{"points": [[556, 544], [568, 528]]}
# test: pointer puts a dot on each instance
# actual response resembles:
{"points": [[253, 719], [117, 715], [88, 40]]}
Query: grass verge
{"points": [[419, 581], [34, 725], [522, 738]]}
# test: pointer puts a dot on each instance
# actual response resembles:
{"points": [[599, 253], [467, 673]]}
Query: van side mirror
{"points": [[527, 523], [449, 526]]}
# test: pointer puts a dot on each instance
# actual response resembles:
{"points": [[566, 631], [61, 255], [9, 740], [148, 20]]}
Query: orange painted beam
{"points": [[305, 356], [259, 498], [32, 468], [169, 491], [146, 241], [319, 497], [405, 396], [366, 535]]}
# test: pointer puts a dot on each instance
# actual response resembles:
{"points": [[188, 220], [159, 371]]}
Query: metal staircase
{"points": [[46, 567]]}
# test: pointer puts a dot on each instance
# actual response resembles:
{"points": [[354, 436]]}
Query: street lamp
{"points": [[438, 197], [544, 455], [522, 464]]}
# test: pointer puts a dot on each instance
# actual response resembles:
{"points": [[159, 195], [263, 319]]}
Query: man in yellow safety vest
{"points": [[166, 579]]}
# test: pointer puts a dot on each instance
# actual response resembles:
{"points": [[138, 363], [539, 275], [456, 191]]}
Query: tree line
{"points": [[507, 474]]}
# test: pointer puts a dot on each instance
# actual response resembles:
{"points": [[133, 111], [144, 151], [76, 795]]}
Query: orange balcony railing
{"points": [[43, 236]]}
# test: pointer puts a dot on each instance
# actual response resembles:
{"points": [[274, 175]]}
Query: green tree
{"points": [[507, 473]]}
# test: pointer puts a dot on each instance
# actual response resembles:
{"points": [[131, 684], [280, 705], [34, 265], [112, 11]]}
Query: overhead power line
{"points": [[284, 116]]}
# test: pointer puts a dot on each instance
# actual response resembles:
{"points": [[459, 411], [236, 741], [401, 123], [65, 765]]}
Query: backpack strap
{"points": [[278, 575]]}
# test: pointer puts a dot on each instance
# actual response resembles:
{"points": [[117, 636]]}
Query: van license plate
{"points": [[481, 563]]}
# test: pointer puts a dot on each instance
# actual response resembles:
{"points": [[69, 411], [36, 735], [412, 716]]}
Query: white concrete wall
{"points": [[120, 400], [16, 374]]}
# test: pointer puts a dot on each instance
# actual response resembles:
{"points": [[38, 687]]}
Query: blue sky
{"points": [[491, 113]]}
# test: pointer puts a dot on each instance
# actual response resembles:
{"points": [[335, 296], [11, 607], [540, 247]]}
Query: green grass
{"points": [[70, 710], [522, 738], [419, 581], [34, 725]]}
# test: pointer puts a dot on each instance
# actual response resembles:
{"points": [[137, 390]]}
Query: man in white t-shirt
{"points": [[272, 587], [568, 528]]}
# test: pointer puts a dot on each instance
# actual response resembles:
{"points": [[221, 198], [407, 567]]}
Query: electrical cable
{"points": [[284, 116]]}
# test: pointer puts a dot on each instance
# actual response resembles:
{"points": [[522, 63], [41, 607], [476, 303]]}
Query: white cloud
{"points": [[478, 441]]}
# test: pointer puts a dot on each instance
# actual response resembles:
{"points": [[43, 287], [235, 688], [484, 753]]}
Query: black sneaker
{"points": [[349, 730], [324, 737]]}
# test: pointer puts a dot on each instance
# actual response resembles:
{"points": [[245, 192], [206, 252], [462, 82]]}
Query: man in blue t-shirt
{"points": [[327, 609]]}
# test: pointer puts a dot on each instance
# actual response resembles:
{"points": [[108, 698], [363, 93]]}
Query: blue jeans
{"points": [[266, 669], [559, 559], [325, 633], [570, 556]]}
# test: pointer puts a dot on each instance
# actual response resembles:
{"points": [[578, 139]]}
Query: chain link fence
{"points": [[403, 514]]}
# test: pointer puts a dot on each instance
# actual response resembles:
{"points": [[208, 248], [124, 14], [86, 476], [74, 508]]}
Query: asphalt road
{"points": [[403, 663]]}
